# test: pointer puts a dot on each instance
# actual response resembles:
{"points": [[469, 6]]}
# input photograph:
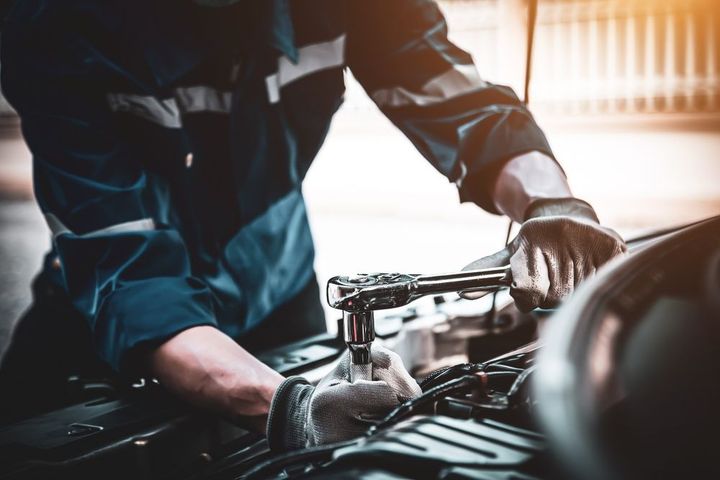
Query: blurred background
{"points": [[628, 92]]}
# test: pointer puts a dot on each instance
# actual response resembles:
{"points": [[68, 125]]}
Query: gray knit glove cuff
{"points": [[549, 207], [286, 425]]}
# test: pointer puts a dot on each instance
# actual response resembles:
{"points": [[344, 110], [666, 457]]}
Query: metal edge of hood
{"points": [[566, 409]]}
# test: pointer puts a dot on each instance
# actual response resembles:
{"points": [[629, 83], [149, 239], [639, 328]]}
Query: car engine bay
{"points": [[622, 381]]}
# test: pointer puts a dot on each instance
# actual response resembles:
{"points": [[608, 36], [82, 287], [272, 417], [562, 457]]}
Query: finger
{"points": [[389, 368], [561, 272], [339, 373], [340, 412], [497, 259], [584, 263], [371, 398], [610, 247], [383, 358], [404, 386], [531, 280]]}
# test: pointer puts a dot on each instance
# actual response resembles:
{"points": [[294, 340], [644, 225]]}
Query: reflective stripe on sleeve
{"points": [[167, 112], [311, 58], [203, 99], [58, 228], [162, 112], [457, 81]]}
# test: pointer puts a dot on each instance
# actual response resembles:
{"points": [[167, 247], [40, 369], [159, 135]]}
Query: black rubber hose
{"points": [[413, 405]]}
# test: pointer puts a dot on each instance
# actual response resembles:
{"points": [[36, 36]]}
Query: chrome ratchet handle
{"points": [[487, 279]]}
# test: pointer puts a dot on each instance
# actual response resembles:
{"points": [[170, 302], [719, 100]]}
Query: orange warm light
{"points": [[599, 56], [636, 56]]}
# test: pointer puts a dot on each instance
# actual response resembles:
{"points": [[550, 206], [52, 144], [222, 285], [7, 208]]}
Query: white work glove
{"points": [[559, 244], [337, 409]]}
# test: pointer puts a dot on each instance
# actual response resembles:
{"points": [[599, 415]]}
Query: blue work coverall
{"points": [[170, 142]]}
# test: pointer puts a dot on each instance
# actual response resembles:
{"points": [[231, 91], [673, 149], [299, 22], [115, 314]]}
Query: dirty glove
{"points": [[560, 243], [337, 409]]}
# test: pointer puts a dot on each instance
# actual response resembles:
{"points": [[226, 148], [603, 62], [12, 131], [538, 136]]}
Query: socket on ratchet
{"points": [[360, 295]]}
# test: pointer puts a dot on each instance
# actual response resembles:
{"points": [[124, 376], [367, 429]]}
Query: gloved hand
{"points": [[560, 243], [336, 409]]}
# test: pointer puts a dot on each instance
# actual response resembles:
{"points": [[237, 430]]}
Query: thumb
{"points": [[497, 259]]}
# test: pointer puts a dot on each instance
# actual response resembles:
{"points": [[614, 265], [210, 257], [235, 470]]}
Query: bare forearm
{"points": [[206, 368], [526, 178]]}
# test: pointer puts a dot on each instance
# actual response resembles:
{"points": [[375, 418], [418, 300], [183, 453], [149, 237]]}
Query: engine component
{"points": [[444, 447]]}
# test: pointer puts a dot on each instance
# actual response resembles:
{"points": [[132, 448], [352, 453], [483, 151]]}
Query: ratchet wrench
{"points": [[360, 295]]}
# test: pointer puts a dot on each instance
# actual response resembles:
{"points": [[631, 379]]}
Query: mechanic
{"points": [[170, 139]]}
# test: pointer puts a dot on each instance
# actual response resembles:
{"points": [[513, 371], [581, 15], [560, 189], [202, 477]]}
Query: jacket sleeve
{"points": [[430, 89], [125, 270]]}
